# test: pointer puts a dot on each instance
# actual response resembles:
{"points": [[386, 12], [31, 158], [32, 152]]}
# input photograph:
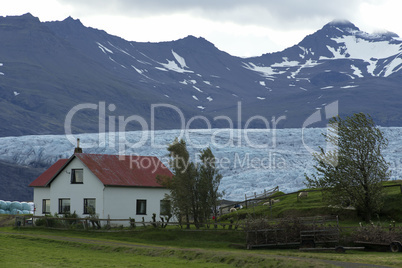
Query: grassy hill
{"points": [[313, 205]]}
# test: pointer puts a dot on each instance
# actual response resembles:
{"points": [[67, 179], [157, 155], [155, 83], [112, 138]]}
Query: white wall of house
{"points": [[40, 193], [61, 187], [121, 202]]}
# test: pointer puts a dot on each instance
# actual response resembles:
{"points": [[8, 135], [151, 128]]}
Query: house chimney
{"points": [[78, 150]]}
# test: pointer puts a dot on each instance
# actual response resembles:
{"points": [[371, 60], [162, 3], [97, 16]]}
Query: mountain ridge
{"points": [[79, 64]]}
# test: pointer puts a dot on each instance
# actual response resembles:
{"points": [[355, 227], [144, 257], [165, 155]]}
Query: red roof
{"points": [[47, 176], [115, 170]]}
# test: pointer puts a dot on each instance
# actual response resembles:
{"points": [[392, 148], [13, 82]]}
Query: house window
{"points": [[165, 207], [141, 207], [64, 205], [46, 206], [89, 206], [77, 176]]}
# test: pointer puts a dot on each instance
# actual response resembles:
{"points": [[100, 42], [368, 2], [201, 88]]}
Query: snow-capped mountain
{"points": [[48, 68], [354, 53]]}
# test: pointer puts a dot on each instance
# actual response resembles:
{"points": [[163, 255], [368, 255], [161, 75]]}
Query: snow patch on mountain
{"points": [[196, 88], [142, 72], [186, 82], [356, 71], [161, 69], [172, 66], [359, 48], [308, 64], [286, 63], [263, 70], [370, 49], [104, 48], [121, 50], [180, 60], [394, 66], [350, 86], [138, 70], [305, 51]]}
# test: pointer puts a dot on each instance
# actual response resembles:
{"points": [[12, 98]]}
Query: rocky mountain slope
{"points": [[47, 68]]}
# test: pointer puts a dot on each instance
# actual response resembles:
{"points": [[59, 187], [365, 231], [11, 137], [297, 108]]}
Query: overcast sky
{"points": [[241, 28]]}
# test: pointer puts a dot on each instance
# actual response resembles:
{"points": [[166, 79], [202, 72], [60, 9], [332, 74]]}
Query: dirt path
{"points": [[109, 243]]}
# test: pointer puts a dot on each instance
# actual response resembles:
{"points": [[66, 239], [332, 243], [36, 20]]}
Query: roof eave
{"points": [[59, 171]]}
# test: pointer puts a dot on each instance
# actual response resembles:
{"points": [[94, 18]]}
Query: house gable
{"points": [[46, 177]]}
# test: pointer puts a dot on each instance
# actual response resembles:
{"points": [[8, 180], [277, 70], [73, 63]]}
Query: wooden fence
{"points": [[254, 198], [95, 223], [263, 195]]}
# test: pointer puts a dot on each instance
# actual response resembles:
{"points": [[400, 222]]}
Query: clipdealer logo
{"points": [[330, 110], [112, 134], [116, 129]]}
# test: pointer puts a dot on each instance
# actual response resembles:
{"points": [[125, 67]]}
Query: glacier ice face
{"points": [[249, 160]]}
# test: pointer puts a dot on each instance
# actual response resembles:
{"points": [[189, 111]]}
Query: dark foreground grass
{"points": [[33, 247], [387, 259], [26, 251], [174, 237], [36, 252]]}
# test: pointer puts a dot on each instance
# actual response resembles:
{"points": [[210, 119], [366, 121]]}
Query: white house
{"points": [[116, 186]]}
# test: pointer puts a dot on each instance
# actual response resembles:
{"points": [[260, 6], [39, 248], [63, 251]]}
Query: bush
{"points": [[47, 221]]}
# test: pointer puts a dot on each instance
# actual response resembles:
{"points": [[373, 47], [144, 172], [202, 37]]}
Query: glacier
{"points": [[250, 160]]}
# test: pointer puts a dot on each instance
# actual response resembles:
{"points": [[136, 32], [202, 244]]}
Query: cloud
{"points": [[282, 14], [239, 27]]}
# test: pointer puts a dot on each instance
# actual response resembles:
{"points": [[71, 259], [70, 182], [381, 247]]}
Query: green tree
{"points": [[182, 184], [354, 169], [193, 188], [210, 179]]}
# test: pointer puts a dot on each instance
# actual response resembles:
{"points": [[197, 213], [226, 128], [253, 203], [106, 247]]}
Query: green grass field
{"points": [[28, 247], [35, 250], [175, 247]]}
